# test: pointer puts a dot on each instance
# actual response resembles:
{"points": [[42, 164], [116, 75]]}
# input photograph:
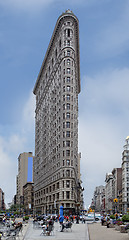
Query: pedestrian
{"points": [[77, 219], [102, 220], [61, 219], [108, 222]]}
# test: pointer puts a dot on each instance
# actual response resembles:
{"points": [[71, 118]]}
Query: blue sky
{"points": [[25, 31]]}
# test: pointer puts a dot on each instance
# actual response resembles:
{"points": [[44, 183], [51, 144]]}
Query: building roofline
{"points": [[68, 13]]}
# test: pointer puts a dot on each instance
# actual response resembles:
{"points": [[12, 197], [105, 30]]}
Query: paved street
{"points": [[98, 232], [79, 232]]}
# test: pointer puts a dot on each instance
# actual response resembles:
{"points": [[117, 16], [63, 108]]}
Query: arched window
{"points": [[60, 43]]}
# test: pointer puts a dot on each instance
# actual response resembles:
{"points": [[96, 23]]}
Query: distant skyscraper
{"points": [[56, 172], [2, 204], [99, 199], [25, 173], [109, 192], [125, 177]]}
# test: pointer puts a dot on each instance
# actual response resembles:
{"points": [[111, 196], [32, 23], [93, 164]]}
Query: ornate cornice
{"points": [[67, 14]]}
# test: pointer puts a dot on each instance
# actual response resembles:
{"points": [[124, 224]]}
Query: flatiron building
{"points": [[56, 170]]}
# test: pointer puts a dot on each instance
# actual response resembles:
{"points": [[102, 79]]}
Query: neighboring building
{"points": [[116, 188], [80, 189], [99, 198], [2, 204], [28, 193], [125, 177], [109, 193], [25, 174], [113, 190], [56, 170]]}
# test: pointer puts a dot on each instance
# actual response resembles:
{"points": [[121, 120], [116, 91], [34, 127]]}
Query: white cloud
{"points": [[21, 140], [29, 112], [106, 91], [7, 171], [103, 126]]}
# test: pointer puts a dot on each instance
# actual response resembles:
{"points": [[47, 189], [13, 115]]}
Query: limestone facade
{"points": [[56, 120]]}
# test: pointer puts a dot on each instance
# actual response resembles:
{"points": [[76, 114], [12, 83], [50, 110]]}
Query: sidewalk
{"points": [[98, 232], [79, 232]]}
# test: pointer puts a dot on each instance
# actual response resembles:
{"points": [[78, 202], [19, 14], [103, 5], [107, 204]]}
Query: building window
{"points": [[68, 106], [67, 173], [56, 52], [68, 71], [68, 42], [68, 97], [63, 124], [67, 153], [68, 88], [53, 197], [63, 195], [68, 32], [68, 61], [68, 52], [67, 124], [68, 162], [67, 183], [67, 143], [67, 133], [67, 194], [63, 106], [57, 195], [63, 184], [60, 43], [58, 185], [68, 79], [68, 115]]}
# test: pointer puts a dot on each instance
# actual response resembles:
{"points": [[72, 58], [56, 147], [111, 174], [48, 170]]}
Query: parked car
{"points": [[89, 217], [92, 217]]}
